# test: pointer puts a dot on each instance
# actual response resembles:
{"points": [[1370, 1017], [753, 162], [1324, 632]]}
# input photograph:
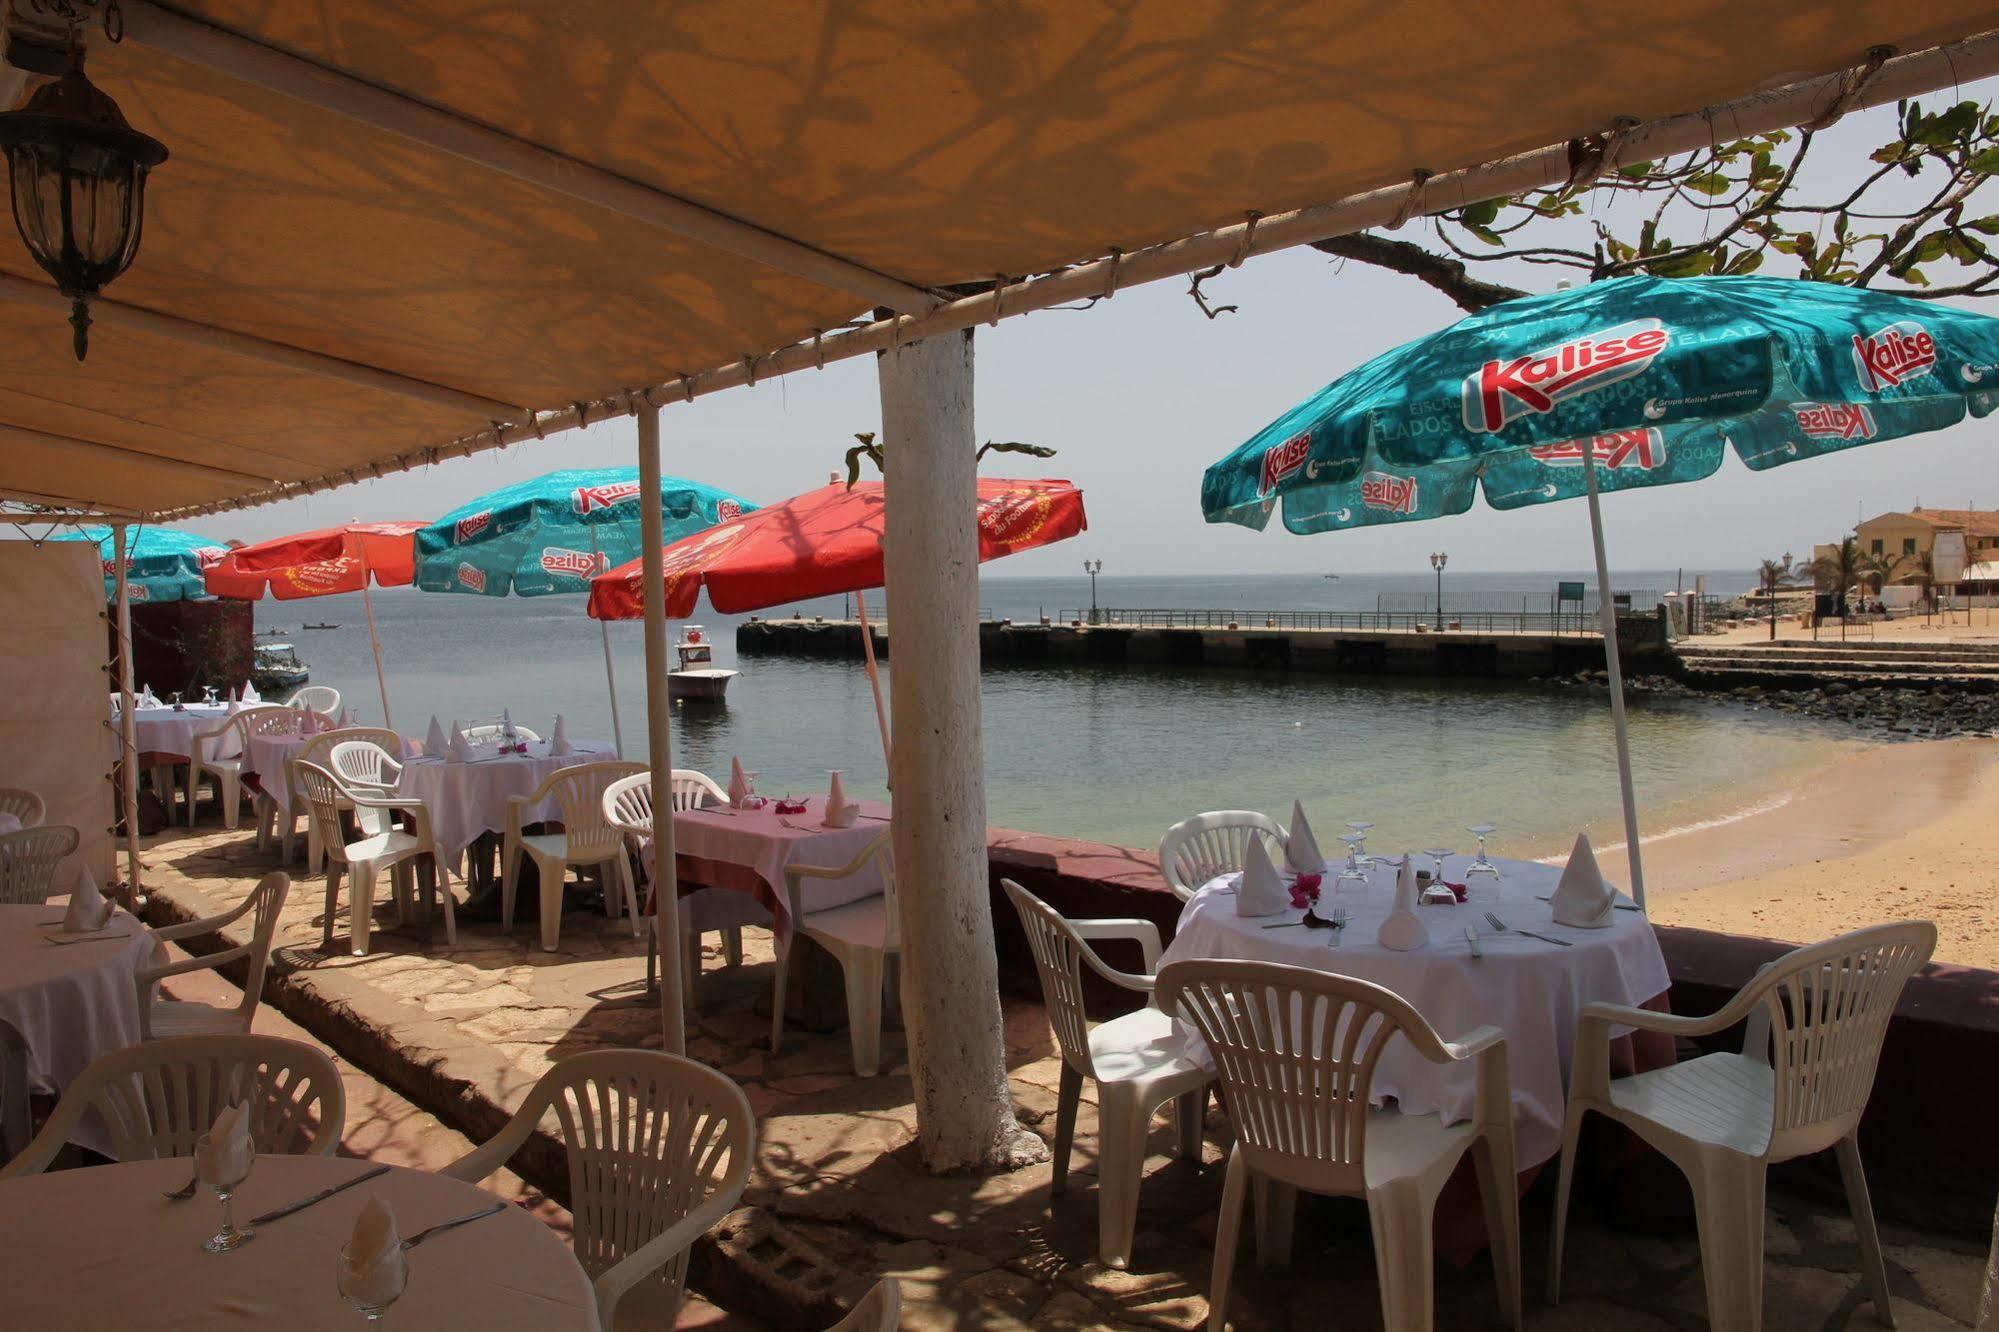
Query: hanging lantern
{"points": [[78, 178]]}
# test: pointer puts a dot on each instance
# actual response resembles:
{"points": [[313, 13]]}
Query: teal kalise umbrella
{"points": [[1638, 381], [161, 563], [551, 534]]}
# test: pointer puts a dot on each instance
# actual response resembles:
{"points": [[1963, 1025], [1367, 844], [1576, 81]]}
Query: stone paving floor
{"points": [[838, 1197]]}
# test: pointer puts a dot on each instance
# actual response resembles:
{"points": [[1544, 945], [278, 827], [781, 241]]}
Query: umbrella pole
{"points": [[1607, 611], [874, 673], [659, 715], [610, 674], [128, 726], [374, 639]]}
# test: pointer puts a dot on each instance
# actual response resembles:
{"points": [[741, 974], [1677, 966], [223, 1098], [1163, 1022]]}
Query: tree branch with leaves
{"points": [[871, 448]]}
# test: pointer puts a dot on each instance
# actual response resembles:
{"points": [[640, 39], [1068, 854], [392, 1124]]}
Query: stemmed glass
{"points": [[1359, 828], [369, 1290], [229, 1237], [1353, 871], [1437, 855], [1482, 865]]}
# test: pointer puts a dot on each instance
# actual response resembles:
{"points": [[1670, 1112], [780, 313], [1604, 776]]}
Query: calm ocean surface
{"points": [[1117, 754]]}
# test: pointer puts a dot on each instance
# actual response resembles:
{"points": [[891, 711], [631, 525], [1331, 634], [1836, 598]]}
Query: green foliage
{"points": [[869, 448], [1908, 226]]}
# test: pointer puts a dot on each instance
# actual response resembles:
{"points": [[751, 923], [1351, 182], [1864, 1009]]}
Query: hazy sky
{"points": [[1141, 393]]}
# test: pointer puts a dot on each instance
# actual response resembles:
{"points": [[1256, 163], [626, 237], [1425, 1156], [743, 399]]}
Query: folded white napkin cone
{"points": [[1404, 931], [433, 739], [250, 694], [1262, 892], [87, 908], [223, 1157], [739, 783], [1582, 898], [1301, 850], [375, 1255], [558, 737], [460, 749]]}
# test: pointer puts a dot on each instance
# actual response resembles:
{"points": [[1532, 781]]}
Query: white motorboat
{"points": [[697, 679]]}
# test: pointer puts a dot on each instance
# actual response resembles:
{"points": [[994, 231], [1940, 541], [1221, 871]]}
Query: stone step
{"points": [[1709, 675], [1974, 652], [1857, 669]]}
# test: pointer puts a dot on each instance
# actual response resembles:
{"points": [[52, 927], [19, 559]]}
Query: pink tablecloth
{"points": [[747, 850]]}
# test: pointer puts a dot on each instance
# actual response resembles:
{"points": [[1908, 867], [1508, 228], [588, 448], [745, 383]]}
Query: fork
{"points": [[453, 1223], [1501, 927]]}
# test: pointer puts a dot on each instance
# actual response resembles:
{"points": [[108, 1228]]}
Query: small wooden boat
{"points": [[319, 626], [697, 679], [276, 666]]}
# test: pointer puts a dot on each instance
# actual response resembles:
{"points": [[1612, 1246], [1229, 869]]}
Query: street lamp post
{"points": [[1093, 568], [1437, 561]]}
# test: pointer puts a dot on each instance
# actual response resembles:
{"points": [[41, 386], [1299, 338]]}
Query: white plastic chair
{"points": [[403, 854], [1208, 845], [159, 1097], [1295, 1050], [16, 1119], [220, 753], [703, 909], [320, 749], [495, 730], [323, 699], [28, 862], [586, 840], [23, 804], [861, 936], [1134, 1060], [1817, 1017], [170, 1017], [659, 1149], [880, 1310]]}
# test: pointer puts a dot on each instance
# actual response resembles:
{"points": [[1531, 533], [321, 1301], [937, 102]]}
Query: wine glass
{"points": [[1437, 855], [1359, 828], [228, 1237], [1353, 871], [1481, 864], [369, 1290]]}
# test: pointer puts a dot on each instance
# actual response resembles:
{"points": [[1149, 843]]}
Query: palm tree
{"points": [[1920, 568], [1771, 575], [1846, 566]]}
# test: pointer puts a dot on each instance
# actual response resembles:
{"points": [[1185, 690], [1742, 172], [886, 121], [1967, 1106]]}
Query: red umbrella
{"points": [[316, 564], [824, 543]]}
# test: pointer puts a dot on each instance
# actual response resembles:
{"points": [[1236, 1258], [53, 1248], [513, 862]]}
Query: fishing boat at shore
{"points": [[697, 679], [276, 666]]}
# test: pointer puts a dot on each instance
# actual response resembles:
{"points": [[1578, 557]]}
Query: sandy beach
{"points": [[1892, 832]]}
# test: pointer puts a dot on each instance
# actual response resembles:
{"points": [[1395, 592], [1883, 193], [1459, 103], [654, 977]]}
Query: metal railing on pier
{"points": [[1570, 621]]}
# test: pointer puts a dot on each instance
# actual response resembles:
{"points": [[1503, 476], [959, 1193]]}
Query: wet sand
{"points": [[1893, 832]]}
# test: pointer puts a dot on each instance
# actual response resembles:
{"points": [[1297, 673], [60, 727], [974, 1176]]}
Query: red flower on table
{"points": [[1305, 890]]}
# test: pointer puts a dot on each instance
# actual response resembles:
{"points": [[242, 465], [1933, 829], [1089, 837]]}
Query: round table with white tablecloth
{"points": [[100, 1248], [71, 1002], [467, 799], [163, 733], [1531, 990], [267, 758]]}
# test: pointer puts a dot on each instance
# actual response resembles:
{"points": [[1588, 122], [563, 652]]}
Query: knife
{"points": [[1471, 937], [278, 1214]]}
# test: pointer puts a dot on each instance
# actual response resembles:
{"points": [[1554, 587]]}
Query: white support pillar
{"points": [[950, 975], [128, 725], [659, 738]]}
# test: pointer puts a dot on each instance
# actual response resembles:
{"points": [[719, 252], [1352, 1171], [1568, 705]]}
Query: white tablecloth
{"points": [[164, 731], [1532, 991], [467, 799], [100, 1248], [268, 761], [71, 1002], [764, 841]]}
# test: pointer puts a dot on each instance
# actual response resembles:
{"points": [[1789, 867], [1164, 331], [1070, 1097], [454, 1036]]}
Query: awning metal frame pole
{"points": [[1607, 613], [659, 738], [874, 675], [610, 673], [374, 639], [128, 725]]}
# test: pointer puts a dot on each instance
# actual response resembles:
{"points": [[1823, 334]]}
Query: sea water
{"points": [[1118, 753]]}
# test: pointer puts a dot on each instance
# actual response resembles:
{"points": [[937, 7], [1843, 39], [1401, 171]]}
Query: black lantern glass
{"points": [[77, 173]]}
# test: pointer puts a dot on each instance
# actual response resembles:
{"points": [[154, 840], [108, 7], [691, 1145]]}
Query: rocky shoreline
{"points": [[1889, 712]]}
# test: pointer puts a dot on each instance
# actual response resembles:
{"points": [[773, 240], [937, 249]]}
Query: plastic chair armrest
{"points": [[1601, 1015], [496, 1151], [1144, 931], [1474, 1043], [147, 977]]}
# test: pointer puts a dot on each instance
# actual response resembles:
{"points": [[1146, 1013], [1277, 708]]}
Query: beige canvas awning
{"points": [[489, 208]]}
